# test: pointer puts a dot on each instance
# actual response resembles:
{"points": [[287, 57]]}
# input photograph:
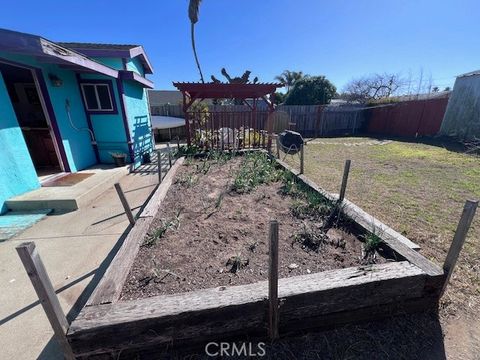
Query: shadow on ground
{"points": [[414, 336]]}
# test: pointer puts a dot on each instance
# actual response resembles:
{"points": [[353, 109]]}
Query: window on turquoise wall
{"points": [[98, 97]]}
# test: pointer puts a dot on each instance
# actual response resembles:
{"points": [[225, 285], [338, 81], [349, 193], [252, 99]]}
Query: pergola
{"points": [[201, 91]]}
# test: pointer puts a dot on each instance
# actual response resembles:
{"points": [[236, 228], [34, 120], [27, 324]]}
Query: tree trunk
{"points": [[195, 52]]}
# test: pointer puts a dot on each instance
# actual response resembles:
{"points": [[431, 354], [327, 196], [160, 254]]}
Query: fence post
{"points": [[302, 158], [124, 201], [46, 294], [343, 188], [273, 280], [159, 166], [458, 240], [169, 155]]}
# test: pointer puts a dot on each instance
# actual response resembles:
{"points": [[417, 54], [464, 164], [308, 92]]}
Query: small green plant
{"points": [[237, 263], [372, 242], [185, 150], [256, 169], [219, 157], [188, 180], [203, 167], [310, 240], [253, 246], [160, 232], [220, 197], [289, 186]]}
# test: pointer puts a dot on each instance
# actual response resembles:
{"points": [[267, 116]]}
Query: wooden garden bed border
{"points": [[110, 286], [357, 293]]}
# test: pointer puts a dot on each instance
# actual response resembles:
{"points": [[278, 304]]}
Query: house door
{"points": [[31, 116]]}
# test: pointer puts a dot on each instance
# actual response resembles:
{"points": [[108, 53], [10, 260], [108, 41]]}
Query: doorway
{"points": [[32, 118]]}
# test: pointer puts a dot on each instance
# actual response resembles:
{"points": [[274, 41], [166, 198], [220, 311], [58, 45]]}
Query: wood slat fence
{"points": [[408, 118], [309, 120]]}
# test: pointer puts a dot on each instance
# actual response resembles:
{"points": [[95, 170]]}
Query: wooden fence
{"points": [[408, 118], [309, 120], [228, 129]]}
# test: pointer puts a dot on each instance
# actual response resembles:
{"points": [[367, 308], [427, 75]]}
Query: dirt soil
{"points": [[210, 230]]}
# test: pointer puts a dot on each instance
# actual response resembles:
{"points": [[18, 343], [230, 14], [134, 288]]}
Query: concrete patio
{"points": [[75, 247], [69, 198]]}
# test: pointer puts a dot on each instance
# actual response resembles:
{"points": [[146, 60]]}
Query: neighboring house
{"points": [[165, 97], [67, 106], [462, 117]]}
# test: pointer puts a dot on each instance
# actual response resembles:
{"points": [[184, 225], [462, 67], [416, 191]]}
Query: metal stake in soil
{"points": [[159, 166], [302, 158], [169, 155], [343, 188], [124, 202], [458, 240], [273, 281]]}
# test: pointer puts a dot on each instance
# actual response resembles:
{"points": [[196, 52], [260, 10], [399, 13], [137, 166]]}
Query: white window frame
{"points": [[112, 108]]}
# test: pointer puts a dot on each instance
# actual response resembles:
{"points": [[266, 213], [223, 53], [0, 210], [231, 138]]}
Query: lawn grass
{"points": [[417, 189]]}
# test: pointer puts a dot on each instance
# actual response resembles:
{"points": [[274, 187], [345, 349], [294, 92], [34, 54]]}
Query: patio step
{"points": [[69, 198]]}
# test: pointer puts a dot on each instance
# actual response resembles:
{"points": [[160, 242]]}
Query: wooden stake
{"points": [[124, 201], [302, 159], [46, 294], [273, 281], [458, 240], [169, 155], [277, 144], [343, 188], [159, 166]]}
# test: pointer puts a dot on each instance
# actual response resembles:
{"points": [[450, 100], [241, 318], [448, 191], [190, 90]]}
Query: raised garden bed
{"points": [[195, 265]]}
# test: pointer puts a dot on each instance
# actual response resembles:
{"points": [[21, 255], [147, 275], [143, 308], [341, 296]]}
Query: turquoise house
{"points": [[65, 107]]}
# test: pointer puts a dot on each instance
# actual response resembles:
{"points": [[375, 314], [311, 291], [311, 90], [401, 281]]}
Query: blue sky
{"points": [[339, 39]]}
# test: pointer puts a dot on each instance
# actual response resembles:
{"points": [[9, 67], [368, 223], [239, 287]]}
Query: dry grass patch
{"points": [[417, 189]]}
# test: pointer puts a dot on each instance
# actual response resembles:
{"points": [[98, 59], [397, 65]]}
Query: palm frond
{"points": [[193, 10]]}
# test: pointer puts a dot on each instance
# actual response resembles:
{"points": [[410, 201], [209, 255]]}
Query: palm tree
{"points": [[193, 15], [289, 78]]}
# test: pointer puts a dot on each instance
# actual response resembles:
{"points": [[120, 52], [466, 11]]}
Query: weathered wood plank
{"points": [[459, 239], [393, 239], [273, 280], [343, 187], [46, 294], [355, 210], [323, 322], [125, 204], [212, 313], [370, 313], [153, 206], [110, 286], [360, 213]]}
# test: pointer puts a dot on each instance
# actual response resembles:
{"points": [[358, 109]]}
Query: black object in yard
{"points": [[119, 159], [146, 159], [291, 141]]}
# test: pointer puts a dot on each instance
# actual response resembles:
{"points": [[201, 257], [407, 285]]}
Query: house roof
{"points": [[46, 51], [81, 45], [111, 50], [163, 97], [471, 73]]}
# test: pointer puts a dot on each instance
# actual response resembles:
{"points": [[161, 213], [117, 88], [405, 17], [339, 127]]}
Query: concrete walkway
{"points": [[74, 247]]}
